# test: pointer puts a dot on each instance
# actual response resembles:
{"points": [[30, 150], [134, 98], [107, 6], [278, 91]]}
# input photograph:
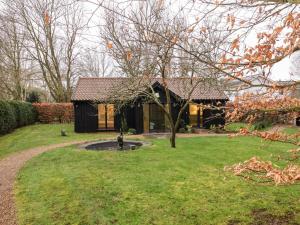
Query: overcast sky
{"points": [[286, 69]]}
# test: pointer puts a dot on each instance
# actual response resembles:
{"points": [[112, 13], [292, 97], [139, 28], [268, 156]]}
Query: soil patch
{"points": [[263, 217]]}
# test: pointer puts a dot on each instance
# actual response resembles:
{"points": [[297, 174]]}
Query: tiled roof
{"points": [[99, 89]]}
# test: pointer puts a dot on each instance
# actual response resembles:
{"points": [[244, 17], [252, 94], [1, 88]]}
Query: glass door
{"points": [[110, 116], [156, 118], [101, 116], [193, 108], [106, 115]]}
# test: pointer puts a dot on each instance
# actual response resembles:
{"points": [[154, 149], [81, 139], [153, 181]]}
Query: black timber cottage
{"points": [[94, 113]]}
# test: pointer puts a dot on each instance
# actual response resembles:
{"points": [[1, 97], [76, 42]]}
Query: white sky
{"points": [[287, 69]]}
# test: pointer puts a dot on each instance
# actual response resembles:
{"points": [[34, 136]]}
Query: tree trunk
{"points": [[173, 138]]}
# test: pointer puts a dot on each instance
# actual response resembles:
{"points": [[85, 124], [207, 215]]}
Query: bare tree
{"points": [[95, 64], [52, 33], [15, 69], [149, 53]]}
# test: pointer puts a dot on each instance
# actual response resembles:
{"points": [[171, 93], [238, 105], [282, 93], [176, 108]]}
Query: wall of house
{"points": [[210, 116], [86, 117], [134, 117]]}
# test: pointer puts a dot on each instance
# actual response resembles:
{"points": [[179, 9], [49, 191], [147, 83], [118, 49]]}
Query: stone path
{"points": [[9, 168]]}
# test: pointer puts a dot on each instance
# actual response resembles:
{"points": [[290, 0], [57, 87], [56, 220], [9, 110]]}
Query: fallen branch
{"points": [[262, 171]]}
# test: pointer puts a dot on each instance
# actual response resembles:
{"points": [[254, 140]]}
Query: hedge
{"points": [[25, 113], [15, 114], [54, 112]]}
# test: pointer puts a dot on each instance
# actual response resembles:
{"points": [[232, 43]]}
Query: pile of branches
{"points": [[260, 171]]}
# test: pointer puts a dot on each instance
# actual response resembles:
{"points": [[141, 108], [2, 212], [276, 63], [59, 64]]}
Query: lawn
{"points": [[38, 135], [235, 127], [154, 185], [291, 130]]}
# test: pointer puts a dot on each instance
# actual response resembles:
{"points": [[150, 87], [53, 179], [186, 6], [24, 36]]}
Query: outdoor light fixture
{"points": [[157, 94]]}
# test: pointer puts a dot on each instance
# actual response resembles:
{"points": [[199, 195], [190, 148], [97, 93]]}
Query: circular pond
{"points": [[112, 145]]}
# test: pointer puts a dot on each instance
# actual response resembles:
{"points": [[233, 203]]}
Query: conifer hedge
{"points": [[14, 114]]}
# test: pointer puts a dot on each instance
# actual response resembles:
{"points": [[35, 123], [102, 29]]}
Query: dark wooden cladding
{"points": [[86, 117], [133, 115]]}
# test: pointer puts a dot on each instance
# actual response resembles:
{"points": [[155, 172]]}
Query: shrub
{"points": [[33, 97], [15, 114], [188, 128], [217, 128], [182, 130], [131, 131], [7, 117], [261, 125], [193, 130], [24, 112], [54, 112]]}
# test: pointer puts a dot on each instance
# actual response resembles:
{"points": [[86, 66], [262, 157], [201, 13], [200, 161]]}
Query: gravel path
{"points": [[9, 168]]}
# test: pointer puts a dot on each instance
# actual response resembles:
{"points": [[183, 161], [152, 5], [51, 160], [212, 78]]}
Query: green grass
{"points": [[38, 135], [152, 185], [235, 127], [291, 130]]}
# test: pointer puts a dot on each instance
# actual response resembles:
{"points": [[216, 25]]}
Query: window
{"points": [[106, 114], [193, 108], [110, 113], [156, 118]]}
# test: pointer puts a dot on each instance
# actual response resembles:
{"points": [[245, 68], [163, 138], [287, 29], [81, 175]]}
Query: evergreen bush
{"points": [[15, 114], [7, 117]]}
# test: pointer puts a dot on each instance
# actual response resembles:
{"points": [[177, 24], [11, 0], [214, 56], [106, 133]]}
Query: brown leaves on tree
{"points": [[251, 107], [46, 18], [231, 20], [235, 44], [128, 55], [109, 45], [277, 136], [203, 29], [174, 40], [272, 46], [257, 170]]}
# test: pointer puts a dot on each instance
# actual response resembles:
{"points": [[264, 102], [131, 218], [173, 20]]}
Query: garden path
{"points": [[9, 168]]}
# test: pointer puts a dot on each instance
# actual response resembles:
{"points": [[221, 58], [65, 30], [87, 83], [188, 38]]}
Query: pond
{"points": [[112, 145]]}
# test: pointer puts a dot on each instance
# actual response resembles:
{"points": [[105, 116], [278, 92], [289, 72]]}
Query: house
{"points": [[94, 111]]}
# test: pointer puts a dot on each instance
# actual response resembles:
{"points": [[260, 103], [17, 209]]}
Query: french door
{"points": [[196, 115], [156, 118], [106, 115]]}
